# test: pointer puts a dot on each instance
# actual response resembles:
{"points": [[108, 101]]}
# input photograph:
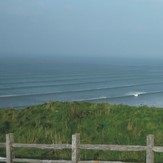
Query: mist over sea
{"points": [[31, 81]]}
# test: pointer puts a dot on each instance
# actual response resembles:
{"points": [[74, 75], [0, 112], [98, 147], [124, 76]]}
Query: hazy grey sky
{"points": [[81, 27]]}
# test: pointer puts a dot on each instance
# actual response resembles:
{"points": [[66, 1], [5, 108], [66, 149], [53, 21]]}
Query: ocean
{"points": [[31, 81]]}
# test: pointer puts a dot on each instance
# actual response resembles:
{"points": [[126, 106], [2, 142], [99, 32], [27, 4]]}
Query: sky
{"points": [[87, 28]]}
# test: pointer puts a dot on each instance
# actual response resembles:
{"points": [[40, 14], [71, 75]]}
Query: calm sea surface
{"points": [[25, 82]]}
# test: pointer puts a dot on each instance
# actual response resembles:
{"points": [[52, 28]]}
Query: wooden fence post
{"points": [[149, 151], [75, 148], [9, 148]]}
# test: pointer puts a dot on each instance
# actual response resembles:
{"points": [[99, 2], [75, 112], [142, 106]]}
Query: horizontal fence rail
{"points": [[43, 146], [114, 147], [75, 147]]}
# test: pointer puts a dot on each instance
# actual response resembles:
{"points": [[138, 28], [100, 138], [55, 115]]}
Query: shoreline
{"points": [[79, 102]]}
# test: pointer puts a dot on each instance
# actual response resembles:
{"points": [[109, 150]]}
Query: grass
{"points": [[97, 124]]}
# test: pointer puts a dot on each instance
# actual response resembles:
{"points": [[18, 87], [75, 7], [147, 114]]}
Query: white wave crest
{"points": [[92, 99], [136, 93]]}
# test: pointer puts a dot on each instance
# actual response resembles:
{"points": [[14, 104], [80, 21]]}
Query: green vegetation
{"points": [[97, 124]]}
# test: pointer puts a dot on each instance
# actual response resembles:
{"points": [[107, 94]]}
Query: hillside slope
{"points": [[97, 124]]}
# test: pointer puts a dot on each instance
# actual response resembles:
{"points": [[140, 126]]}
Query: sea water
{"points": [[31, 81]]}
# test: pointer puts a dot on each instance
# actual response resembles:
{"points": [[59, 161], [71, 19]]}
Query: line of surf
{"points": [[116, 97], [79, 83], [62, 92], [65, 84], [75, 91], [108, 78]]}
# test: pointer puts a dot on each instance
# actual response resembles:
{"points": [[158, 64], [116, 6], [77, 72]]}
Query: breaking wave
{"points": [[130, 94]]}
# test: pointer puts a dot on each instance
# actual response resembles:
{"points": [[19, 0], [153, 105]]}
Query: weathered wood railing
{"points": [[75, 147]]}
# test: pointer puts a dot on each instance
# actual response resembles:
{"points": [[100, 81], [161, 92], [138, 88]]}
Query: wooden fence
{"points": [[75, 147]]}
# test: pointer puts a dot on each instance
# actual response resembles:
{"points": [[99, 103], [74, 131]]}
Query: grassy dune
{"points": [[97, 124]]}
